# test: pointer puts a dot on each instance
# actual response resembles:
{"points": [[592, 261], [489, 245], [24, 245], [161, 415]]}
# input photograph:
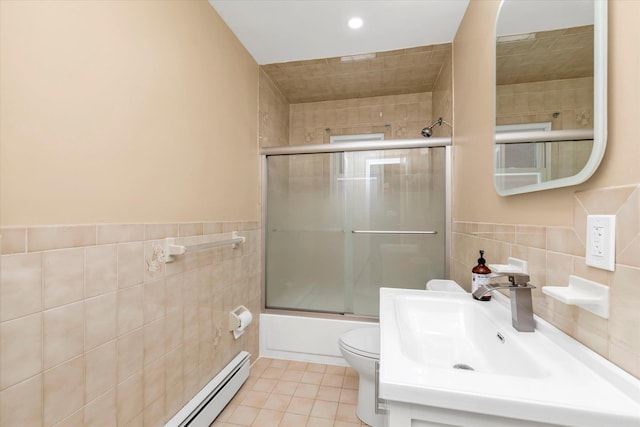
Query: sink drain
{"points": [[462, 366]]}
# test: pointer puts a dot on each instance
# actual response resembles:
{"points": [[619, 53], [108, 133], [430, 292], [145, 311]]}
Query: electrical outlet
{"points": [[601, 241]]}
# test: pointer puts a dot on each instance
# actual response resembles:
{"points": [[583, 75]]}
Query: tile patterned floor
{"points": [[281, 393]]}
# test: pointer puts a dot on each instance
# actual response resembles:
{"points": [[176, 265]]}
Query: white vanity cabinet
{"points": [[412, 415]]}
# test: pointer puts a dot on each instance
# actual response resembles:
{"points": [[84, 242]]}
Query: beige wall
{"points": [[97, 330], [443, 99], [548, 228], [473, 106], [553, 253], [125, 111], [124, 122]]}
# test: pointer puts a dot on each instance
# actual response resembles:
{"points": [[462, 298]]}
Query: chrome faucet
{"points": [[521, 302]]}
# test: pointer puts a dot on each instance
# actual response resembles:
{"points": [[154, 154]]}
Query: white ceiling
{"points": [[532, 16], [275, 31]]}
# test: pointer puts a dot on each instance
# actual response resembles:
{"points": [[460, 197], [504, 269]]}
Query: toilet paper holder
{"points": [[239, 319]]}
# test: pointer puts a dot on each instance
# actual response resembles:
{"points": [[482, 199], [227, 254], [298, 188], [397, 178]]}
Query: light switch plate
{"points": [[601, 241]]}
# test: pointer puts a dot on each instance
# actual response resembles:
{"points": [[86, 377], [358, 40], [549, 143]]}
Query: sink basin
{"points": [[459, 334], [447, 350]]}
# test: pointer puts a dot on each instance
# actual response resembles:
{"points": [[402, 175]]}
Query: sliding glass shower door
{"points": [[341, 225]]}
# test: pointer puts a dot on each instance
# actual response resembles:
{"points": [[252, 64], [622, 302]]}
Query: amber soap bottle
{"points": [[480, 276]]}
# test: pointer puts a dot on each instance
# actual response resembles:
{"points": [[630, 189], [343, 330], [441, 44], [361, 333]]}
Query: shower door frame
{"points": [[342, 147]]}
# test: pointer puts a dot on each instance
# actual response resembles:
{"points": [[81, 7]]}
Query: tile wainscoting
{"points": [[96, 329], [554, 253]]}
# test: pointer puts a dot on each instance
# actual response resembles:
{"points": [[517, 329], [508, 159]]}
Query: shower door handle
{"points": [[393, 232]]}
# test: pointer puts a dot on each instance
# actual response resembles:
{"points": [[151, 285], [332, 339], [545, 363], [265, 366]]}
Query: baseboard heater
{"points": [[211, 400]]}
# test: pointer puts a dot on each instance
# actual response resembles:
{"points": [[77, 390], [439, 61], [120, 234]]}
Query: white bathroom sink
{"points": [[458, 333], [430, 341]]}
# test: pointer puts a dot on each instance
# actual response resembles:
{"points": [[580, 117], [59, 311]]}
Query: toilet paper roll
{"points": [[245, 319]]}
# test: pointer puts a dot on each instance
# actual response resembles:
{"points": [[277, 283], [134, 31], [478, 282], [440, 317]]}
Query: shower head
{"points": [[427, 132]]}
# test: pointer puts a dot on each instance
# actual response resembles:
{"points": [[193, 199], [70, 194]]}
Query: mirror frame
{"points": [[599, 108]]}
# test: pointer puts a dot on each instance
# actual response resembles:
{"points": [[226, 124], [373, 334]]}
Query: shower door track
{"points": [[392, 232], [344, 147]]}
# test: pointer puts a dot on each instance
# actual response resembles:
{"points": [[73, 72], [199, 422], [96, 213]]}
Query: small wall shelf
{"points": [[513, 265], [591, 296]]}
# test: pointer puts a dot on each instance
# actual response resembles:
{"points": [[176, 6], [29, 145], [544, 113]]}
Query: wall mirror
{"points": [[550, 93]]}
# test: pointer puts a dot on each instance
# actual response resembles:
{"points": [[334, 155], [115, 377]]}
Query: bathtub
{"points": [[305, 339]]}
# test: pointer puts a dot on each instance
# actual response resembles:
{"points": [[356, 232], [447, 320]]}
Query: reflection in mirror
{"points": [[550, 93]]}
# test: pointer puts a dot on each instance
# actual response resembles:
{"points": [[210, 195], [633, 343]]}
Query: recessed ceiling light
{"points": [[355, 23]]}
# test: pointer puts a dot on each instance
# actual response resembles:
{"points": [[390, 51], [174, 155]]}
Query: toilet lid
{"points": [[363, 341]]}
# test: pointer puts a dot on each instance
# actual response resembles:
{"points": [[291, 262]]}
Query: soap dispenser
{"points": [[480, 276]]}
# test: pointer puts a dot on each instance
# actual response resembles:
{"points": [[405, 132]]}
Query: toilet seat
{"points": [[364, 342]]}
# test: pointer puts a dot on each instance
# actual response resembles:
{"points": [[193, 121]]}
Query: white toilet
{"points": [[361, 349]]}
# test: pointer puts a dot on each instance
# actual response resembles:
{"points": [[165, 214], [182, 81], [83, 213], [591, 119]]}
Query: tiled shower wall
{"points": [[273, 114], [442, 95], [397, 116], [566, 104], [554, 253], [96, 329], [391, 72], [538, 101]]}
